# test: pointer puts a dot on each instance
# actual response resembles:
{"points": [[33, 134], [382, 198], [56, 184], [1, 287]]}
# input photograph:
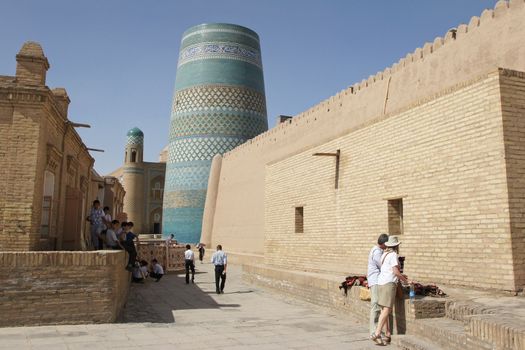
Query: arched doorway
{"points": [[156, 220]]}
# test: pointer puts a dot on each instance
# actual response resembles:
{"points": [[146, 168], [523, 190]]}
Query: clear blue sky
{"points": [[118, 59]]}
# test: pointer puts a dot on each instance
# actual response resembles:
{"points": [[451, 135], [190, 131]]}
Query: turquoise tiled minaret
{"points": [[218, 104]]}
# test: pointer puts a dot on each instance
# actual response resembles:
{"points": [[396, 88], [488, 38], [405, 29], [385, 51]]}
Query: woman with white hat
{"points": [[387, 281]]}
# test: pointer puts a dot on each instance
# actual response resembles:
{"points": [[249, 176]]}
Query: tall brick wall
{"points": [[20, 130], [445, 158], [62, 287], [513, 106], [494, 39]]}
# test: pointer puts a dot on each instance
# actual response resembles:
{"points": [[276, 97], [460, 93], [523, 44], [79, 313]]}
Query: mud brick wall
{"points": [[444, 158], [39, 288]]}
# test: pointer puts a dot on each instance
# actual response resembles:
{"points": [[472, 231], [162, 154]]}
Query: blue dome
{"points": [[135, 132]]}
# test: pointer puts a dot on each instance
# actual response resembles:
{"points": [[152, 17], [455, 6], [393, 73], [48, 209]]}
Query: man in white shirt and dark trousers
{"points": [[189, 263], [374, 268], [220, 261]]}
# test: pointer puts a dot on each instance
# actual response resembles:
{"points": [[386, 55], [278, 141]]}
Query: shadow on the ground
{"points": [[155, 302]]}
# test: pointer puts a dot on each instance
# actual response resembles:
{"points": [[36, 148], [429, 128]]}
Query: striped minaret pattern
{"points": [[218, 104]]}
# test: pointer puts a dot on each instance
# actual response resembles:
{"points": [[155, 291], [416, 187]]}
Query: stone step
{"points": [[489, 324], [448, 333], [410, 342], [462, 310]]}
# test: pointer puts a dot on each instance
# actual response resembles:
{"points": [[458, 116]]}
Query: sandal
{"points": [[388, 339], [376, 339]]}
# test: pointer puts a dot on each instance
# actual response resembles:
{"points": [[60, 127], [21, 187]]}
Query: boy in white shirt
{"points": [[112, 241], [158, 271], [140, 273], [189, 263]]}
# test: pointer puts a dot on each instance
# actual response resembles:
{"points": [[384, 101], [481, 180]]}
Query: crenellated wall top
{"points": [[487, 42]]}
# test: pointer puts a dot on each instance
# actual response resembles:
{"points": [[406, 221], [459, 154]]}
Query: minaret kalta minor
{"points": [[218, 104]]}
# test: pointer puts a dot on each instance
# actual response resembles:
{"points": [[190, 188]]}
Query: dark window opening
{"points": [[133, 156], [299, 219], [395, 216]]}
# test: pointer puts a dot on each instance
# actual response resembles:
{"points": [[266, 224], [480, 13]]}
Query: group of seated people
{"points": [[140, 272], [119, 236]]}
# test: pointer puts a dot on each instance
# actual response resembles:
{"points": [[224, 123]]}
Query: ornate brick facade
{"points": [[45, 168]]}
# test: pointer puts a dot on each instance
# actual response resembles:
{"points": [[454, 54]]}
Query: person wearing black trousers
{"points": [[220, 261], [189, 264], [202, 250]]}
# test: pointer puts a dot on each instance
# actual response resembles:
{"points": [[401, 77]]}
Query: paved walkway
{"points": [[172, 315]]}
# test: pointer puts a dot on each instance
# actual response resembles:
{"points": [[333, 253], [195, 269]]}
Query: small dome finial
{"points": [[32, 48]]}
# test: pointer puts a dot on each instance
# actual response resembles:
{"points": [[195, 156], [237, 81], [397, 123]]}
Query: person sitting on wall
{"points": [[106, 225], [140, 273], [170, 240], [126, 239], [158, 271], [112, 241]]}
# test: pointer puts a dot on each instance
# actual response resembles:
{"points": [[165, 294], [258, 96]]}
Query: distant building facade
{"points": [[45, 168], [143, 184]]}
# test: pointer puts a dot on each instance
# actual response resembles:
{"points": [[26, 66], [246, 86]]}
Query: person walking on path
{"points": [[96, 223], [374, 268], [220, 261], [387, 281], [202, 250], [189, 264]]}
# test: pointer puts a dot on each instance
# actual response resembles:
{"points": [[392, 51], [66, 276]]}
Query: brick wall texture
{"points": [[462, 202], [494, 39], [35, 137], [436, 130], [41, 288]]}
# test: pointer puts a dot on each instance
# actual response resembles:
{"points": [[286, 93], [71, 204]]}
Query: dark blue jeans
{"points": [[219, 276]]}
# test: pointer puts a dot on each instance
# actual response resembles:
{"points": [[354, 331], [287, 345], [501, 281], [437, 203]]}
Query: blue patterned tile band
{"points": [[220, 50], [218, 104], [135, 140]]}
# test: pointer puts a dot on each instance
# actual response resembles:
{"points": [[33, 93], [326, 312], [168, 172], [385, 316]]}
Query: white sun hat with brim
{"points": [[392, 241]]}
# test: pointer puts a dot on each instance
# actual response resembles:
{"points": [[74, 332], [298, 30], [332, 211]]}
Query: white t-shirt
{"points": [[136, 272], [107, 217], [111, 238], [189, 255], [374, 265], [144, 270], [386, 275], [158, 269]]}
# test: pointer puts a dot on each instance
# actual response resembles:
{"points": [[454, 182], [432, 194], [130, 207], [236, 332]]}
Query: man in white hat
{"points": [[374, 267]]}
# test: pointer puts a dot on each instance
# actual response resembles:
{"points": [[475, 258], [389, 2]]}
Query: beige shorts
{"points": [[387, 295]]}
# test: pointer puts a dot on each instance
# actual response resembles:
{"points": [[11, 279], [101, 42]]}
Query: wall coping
{"points": [[62, 258]]}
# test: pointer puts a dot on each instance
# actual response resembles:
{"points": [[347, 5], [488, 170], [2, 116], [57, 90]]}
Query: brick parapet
{"points": [[41, 288], [420, 74]]}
